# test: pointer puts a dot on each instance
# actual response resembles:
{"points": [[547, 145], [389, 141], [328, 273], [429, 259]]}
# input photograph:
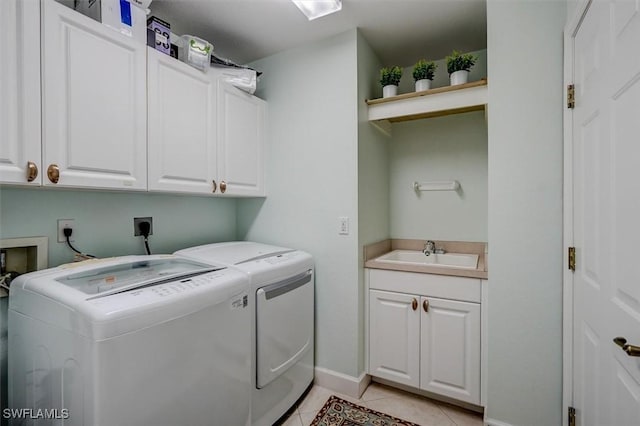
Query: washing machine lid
{"points": [[103, 281], [106, 298], [233, 253]]}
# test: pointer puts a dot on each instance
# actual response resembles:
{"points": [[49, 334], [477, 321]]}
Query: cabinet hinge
{"points": [[571, 96], [572, 258], [572, 416]]}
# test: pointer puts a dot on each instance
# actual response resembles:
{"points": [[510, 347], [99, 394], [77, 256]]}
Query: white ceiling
{"points": [[400, 31]]}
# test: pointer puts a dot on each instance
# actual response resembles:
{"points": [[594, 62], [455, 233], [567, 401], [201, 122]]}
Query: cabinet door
{"points": [[20, 92], [241, 121], [182, 136], [450, 348], [394, 337], [94, 102]]}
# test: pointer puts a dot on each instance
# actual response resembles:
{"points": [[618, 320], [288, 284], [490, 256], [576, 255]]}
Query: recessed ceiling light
{"points": [[318, 8]]}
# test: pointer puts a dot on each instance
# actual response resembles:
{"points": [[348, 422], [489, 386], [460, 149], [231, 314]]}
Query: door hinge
{"points": [[572, 258], [571, 96], [572, 416]]}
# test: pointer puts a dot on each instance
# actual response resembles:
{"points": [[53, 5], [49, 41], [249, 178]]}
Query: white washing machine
{"points": [[282, 282], [136, 340]]}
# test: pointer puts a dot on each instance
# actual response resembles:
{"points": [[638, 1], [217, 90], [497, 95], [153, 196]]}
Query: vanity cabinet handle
{"points": [[414, 304], [223, 187], [425, 305], [32, 171], [53, 173], [215, 186]]}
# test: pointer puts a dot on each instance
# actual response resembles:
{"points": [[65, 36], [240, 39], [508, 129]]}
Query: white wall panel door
{"points": [[606, 207], [394, 337], [241, 121], [450, 348], [182, 127], [20, 153], [94, 103]]}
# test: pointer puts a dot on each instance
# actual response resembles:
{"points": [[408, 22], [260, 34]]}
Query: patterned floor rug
{"points": [[338, 412]]}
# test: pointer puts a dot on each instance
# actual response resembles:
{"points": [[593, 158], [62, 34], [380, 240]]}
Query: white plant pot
{"points": [[422, 85], [389, 90], [459, 77]]}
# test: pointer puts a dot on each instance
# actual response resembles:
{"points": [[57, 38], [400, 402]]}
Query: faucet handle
{"points": [[429, 247]]}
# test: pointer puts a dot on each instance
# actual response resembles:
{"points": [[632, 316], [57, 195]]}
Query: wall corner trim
{"points": [[342, 383]]}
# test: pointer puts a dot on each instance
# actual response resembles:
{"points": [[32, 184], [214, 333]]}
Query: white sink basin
{"points": [[447, 260]]}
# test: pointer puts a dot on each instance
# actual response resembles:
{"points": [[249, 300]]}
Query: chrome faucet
{"points": [[429, 247]]}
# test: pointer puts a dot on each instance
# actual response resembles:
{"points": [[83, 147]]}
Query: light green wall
{"points": [[312, 179], [373, 175], [446, 148], [104, 220], [525, 45]]}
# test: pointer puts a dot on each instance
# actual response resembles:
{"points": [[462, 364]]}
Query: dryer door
{"points": [[284, 325]]}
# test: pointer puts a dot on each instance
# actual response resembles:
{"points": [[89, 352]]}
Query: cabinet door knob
{"points": [[32, 171], [223, 187], [414, 304], [425, 305], [53, 173], [215, 186]]}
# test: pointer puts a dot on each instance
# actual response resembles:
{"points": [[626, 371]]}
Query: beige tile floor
{"points": [[395, 402]]}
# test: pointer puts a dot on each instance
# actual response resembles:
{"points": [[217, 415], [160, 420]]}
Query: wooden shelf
{"points": [[427, 104]]}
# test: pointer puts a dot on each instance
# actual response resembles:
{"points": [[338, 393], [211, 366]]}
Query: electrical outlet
{"points": [[343, 225], [136, 228], [65, 223]]}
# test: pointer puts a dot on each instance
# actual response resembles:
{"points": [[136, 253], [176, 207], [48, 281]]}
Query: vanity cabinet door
{"points": [[450, 348], [394, 337]]}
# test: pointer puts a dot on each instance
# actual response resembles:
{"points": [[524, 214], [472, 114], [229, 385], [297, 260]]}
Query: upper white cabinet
{"points": [[78, 98], [205, 136], [241, 128], [20, 153], [182, 127], [94, 103]]}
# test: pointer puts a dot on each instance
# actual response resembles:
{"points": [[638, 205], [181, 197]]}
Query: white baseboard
{"points": [[492, 422], [342, 383]]}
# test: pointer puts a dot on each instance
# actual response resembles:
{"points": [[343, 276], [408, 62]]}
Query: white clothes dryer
{"points": [[282, 329], [136, 340]]}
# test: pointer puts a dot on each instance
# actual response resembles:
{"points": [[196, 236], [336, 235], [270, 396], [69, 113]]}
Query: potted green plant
{"points": [[423, 74], [389, 79], [458, 66]]}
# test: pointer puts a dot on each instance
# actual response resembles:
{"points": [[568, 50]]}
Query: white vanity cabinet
{"points": [[450, 348], [205, 136], [94, 106], [20, 144], [424, 331], [394, 337]]}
